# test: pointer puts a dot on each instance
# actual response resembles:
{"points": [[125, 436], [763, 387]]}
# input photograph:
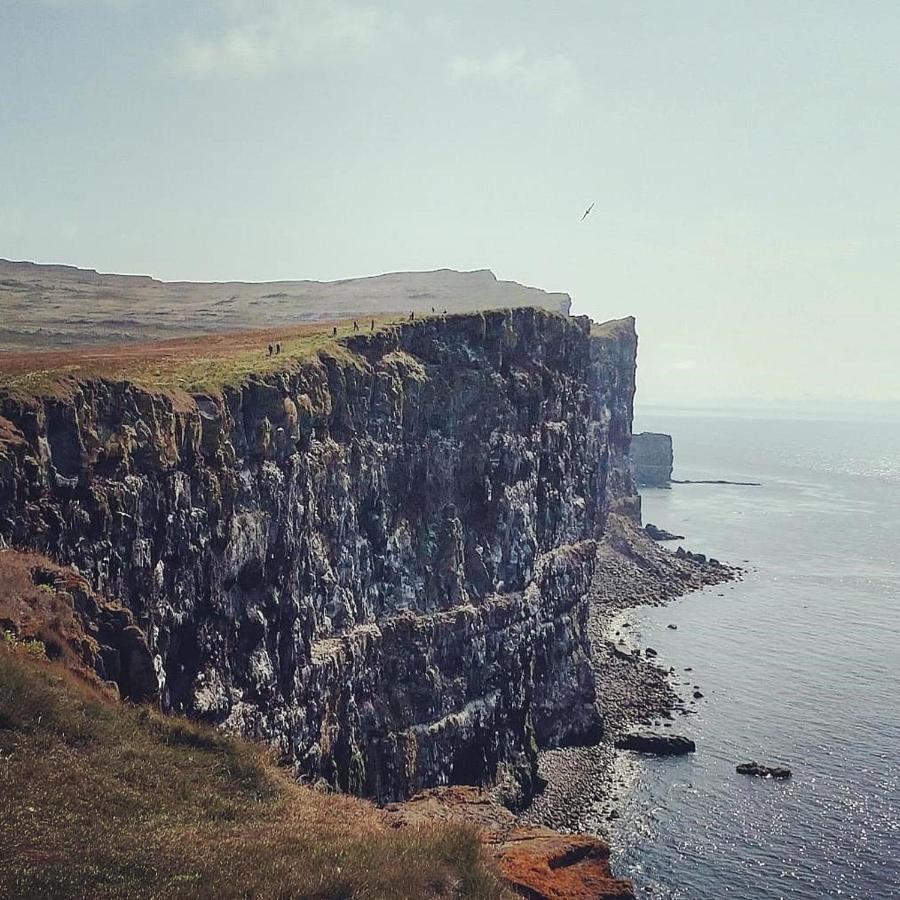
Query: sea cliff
{"points": [[375, 559], [651, 453]]}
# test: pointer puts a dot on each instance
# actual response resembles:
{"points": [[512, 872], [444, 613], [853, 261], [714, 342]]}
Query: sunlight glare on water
{"points": [[798, 665]]}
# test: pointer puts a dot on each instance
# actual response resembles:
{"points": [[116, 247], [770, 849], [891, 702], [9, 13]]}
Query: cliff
{"points": [[374, 557], [652, 456]]}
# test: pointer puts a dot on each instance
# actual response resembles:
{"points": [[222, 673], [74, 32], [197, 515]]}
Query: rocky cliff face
{"points": [[375, 560], [96, 637], [651, 453]]}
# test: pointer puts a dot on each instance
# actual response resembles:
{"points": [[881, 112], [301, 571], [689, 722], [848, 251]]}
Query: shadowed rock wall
{"points": [[652, 456], [375, 560]]}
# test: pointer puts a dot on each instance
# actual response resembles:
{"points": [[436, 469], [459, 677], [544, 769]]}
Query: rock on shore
{"points": [[656, 744], [585, 784], [535, 862], [660, 534]]}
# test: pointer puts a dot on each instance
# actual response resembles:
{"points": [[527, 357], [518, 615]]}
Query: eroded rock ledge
{"points": [[376, 560]]}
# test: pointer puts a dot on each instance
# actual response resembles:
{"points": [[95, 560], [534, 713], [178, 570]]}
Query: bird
{"points": [[587, 211]]}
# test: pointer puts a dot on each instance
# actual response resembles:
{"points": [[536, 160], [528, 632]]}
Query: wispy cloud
{"points": [[257, 36], [554, 77]]}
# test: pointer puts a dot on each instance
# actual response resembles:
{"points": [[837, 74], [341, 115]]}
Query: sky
{"points": [[743, 158]]}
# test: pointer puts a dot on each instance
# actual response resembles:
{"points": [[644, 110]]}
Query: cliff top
{"points": [[613, 328], [48, 306], [209, 362], [200, 363]]}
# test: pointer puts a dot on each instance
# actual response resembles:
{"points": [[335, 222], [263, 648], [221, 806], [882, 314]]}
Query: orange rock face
{"points": [[535, 862], [539, 863]]}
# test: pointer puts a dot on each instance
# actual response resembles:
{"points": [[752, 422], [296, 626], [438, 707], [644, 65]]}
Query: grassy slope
{"points": [[102, 799]]}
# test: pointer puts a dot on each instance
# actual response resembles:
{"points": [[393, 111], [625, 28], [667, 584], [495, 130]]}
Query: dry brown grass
{"points": [[35, 607], [208, 362], [100, 799], [200, 363]]}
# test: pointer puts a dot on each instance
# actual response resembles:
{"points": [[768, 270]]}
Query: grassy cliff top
{"points": [[613, 328], [102, 799], [203, 363], [211, 362]]}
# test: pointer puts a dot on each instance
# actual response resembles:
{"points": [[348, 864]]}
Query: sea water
{"points": [[799, 665]]}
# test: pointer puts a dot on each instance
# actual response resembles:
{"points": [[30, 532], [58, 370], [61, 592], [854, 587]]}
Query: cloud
{"points": [[258, 36], [555, 77]]}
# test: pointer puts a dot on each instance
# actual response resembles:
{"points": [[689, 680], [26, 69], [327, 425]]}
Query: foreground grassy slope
{"points": [[103, 799]]}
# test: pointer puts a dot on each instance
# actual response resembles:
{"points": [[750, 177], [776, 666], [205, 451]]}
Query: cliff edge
{"points": [[51, 306]]}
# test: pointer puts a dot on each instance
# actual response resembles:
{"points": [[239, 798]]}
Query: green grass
{"points": [[214, 372], [101, 799]]}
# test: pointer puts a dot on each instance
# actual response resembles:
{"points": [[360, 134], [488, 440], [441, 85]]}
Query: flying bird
{"points": [[587, 211]]}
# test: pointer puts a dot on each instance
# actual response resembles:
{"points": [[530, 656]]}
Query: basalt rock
{"points": [[375, 560], [656, 744], [755, 768], [660, 534], [652, 456]]}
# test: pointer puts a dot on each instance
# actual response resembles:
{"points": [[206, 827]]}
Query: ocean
{"points": [[799, 664]]}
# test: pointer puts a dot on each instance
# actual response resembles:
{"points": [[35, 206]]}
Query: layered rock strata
{"points": [[376, 560]]}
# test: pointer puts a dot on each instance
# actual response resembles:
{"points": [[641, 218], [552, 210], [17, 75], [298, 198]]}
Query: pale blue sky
{"points": [[743, 157]]}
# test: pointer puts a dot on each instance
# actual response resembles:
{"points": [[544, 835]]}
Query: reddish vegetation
{"points": [[94, 637], [112, 360], [35, 605], [534, 862]]}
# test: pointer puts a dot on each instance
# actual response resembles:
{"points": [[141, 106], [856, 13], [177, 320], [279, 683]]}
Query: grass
{"points": [[197, 364], [207, 363], [101, 799], [40, 616]]}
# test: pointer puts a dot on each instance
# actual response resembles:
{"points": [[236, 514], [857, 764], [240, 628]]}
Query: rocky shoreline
{"points": [[557, 846], [585, 785]]}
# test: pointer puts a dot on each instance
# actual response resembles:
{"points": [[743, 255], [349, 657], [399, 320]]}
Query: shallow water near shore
{"points": [[798, 664]]}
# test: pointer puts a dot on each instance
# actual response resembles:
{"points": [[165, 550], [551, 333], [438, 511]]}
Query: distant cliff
{"points": [[375, 559], [652, 456], [50, 307]]}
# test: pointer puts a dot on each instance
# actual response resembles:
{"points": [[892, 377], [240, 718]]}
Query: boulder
{"points": [[657, 744], [660, 534], [755, 768]]}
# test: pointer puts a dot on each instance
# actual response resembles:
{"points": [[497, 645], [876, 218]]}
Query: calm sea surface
{"points": [[799, 664]]}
